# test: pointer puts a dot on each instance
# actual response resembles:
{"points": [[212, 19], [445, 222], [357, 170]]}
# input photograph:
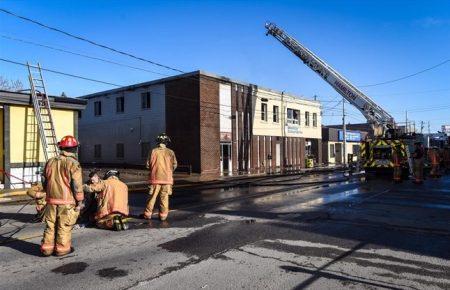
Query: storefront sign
{"points": [[225, 136], [350, 136], [293, 129]]}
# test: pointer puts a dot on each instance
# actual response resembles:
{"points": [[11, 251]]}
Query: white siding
{"points": [[133, 126]]}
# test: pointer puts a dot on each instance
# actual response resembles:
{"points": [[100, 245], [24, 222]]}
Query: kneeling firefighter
{"points": [[161, 162], [64, 196], [112, 201], [37, 192]]}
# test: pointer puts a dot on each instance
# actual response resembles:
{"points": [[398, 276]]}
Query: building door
{"points": [[225, 158], [338, 153], [278, 155]]}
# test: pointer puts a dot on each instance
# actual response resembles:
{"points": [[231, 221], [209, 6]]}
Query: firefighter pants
{"points": [[107, 222], [163, 191], [59, 220], [397, 173], [418, 170], [434, 172]]}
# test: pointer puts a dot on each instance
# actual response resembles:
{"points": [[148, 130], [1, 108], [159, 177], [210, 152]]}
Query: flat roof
{"points": [[187, 75], [24, 99]]}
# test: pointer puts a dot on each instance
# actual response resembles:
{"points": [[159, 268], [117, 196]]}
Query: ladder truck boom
{"points": [[380, 120]]}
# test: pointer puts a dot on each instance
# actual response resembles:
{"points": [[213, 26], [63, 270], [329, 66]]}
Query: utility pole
{"points": [[406, 122], [344, 133], [428, 127], [421, 127], [283, 133]]}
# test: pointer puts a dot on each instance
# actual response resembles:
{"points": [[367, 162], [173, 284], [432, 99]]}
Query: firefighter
{"points": [[161, 162], [434, 158], [111, 195], [418, 156], [37, 192], [64, 196], [87, 215], [397, 159]]}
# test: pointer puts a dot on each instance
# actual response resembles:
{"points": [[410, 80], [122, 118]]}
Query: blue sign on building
{"points": [[350, 136]]}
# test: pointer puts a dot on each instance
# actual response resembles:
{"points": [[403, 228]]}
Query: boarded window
{"points": [[120, 105], [146, 101], [120, 150], [97, 151], [98, 108]]}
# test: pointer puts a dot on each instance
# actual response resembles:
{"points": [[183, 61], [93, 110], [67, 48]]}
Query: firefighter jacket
{"points": [[397, 158], [111, 195], [161, 162], [433, 156], [63, 182]]}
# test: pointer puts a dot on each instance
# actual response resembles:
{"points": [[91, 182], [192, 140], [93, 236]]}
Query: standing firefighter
{"points": [[397, 159], [418, 156], [112, 201], [435, 159], [64, 196], [161, 162]]}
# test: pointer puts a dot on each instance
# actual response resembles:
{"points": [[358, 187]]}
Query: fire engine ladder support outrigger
{"points": [[42, 111], [379, 118]]}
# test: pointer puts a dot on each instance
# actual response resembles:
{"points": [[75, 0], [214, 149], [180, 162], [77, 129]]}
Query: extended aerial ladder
{"points": [[376, 153], [42, 111], [380, 120]]}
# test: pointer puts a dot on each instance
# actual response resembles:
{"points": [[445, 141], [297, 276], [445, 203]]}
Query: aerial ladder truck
{"points": [[375, 154]]}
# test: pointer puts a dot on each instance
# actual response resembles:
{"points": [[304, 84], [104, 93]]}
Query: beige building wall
{"points": [[20, 132], [282, 128]]}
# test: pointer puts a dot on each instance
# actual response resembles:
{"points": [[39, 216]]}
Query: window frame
{"points": [[314, 119], [148, 97], [307, 121], [332, 152], [275, 114], [292, 119], [264, 112], [97, 108], [120, 104], [118, 145], [97, 151]]}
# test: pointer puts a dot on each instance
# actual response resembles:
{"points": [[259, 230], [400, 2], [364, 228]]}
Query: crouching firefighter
{"points": [[161, 162], [64, 196], [112, 201]]}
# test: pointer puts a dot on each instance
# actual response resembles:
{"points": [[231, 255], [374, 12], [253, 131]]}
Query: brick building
{"points": [[218, 126]]}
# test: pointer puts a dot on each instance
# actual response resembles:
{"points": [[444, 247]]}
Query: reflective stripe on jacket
{"points": [[161, 162], [63, 180]]}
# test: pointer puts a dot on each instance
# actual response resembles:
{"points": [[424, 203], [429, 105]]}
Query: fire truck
{"points": [[375, 153]]}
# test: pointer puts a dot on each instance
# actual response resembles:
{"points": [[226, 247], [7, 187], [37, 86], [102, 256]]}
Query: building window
{"points": [[145, 101], [314, 119], [120, 104], [276, 114], [97, 151], [307, 119], [263, 111], [120, 150], [145, 149], [293, 116], [98, 108], [332, 151]]}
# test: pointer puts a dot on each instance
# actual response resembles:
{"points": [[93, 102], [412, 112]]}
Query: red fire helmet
{"points": [[68, 142]]}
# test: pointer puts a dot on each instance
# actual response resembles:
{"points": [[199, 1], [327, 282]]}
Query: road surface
{"points": [[315, 232]]}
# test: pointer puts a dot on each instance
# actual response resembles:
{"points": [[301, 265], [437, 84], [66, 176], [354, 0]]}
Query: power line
{"points": [[81, 54], [407, 76], [90, 41], [63, 73]]}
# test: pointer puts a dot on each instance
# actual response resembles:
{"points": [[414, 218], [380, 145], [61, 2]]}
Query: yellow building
{"points": [[21, 154]]}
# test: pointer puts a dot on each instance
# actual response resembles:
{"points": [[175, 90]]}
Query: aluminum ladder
{"points": [[42, 111]]}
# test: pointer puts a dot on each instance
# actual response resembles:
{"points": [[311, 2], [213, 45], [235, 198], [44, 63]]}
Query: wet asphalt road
{"points": [[316, 232]]}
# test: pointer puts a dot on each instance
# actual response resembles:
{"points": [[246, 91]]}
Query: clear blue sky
{"points": [[367, 41]]}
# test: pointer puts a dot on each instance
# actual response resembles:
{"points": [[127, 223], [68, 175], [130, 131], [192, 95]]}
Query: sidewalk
{"points": [[137, 181]]}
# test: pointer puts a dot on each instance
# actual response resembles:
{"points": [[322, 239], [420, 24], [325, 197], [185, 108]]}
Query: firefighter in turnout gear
{"points": [[397, 159], [418, 156], [64, 196], [37, 192], [161, 162], [435, 159], [112, 201]]}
